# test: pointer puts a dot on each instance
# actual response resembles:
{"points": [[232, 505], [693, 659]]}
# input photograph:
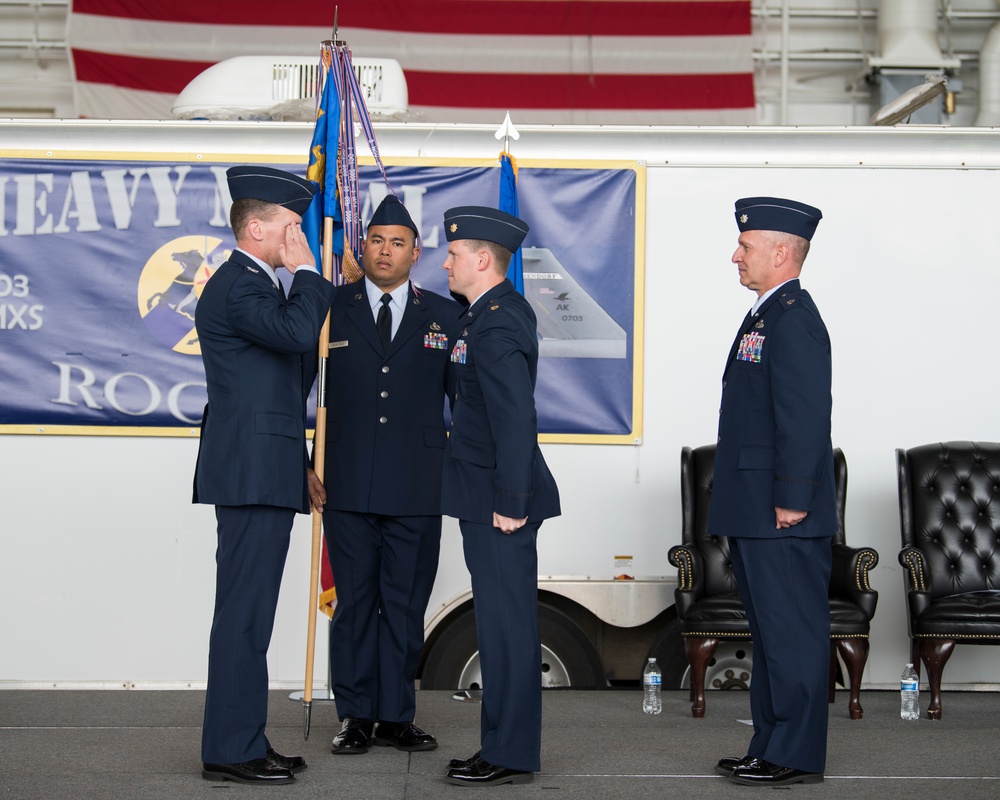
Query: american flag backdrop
{"points": [[546, 61]]}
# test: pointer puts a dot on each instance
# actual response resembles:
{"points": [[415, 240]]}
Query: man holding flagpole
{"points": [[385, 439], [497, 484]]}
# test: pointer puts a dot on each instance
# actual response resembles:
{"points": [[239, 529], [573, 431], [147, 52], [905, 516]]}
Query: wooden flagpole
{"points": [[319, 467], [319, 439], [319, 443]]}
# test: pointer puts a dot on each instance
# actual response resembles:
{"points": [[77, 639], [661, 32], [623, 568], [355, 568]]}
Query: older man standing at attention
{"points": [[774, 496]]}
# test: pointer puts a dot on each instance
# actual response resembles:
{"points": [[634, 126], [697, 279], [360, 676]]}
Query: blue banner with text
{"points": [[103, 263]]}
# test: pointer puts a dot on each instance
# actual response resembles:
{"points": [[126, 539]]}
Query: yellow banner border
{"points": [[639, 272]]}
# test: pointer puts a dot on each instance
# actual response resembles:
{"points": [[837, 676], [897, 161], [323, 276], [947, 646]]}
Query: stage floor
{"points": [[596, 745]]}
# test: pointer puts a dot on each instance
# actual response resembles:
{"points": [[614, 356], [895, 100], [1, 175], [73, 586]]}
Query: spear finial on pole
{"points": [[336, 30], [507, 131]]}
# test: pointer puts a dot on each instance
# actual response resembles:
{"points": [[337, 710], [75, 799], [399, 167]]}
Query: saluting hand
{"points": [[294, 251]]}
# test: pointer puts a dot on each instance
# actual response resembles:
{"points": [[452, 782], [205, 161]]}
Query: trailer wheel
{"points": [[729, 668], [568, 658]]}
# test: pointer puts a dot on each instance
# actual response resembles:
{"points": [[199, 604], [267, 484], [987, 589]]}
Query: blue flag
{"points": [[508, 203], [323, 171]]}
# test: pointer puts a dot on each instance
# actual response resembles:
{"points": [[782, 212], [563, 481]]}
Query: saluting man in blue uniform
{"points": [[774, 497], [498, 486], [382, 499], [259, 349]]}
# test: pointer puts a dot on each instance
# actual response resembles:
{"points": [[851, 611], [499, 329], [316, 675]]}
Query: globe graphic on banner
{"points": [[170, 286]]}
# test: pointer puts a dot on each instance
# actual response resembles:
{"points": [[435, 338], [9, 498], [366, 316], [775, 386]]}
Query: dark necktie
{"points": [[383, 323]]}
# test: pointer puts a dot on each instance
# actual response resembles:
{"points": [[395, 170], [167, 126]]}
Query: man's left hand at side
{"points": [[788, 517], [507, 524]]}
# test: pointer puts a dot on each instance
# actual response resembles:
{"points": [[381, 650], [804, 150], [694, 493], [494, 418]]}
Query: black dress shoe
{"points": [[728, 764], [764, 773], [403, 736], [291, 763], [462, 763], [354, 737], [258, 771], [483, 773]]}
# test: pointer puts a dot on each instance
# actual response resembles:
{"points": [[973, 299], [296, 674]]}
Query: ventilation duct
{"points": [[989, 79], [909, 59], [908, 34]]}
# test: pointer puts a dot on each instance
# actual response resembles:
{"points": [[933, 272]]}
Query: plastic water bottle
{"points": [[651, 680], [909, 694]]}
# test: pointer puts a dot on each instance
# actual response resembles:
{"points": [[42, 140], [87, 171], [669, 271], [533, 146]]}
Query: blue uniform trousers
{"points": [[504, 570], [785, 587], [253, 544], [383, 570]]}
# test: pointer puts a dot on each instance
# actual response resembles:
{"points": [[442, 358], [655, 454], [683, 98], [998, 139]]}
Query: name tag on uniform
{"points": [[335, 345], [460, 352], [436, 341], [750, 348]]}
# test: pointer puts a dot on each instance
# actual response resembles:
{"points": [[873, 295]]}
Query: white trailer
{"points": [[108, 570]]}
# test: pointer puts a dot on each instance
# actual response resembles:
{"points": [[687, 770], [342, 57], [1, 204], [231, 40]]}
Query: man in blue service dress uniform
{"points": [[259, 350], [382, 498], [773, 494], [498, 485]]}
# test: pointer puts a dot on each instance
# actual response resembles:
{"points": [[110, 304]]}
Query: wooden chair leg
{"points": [[855, 655], [699, 651], [833, 672], [935, 654]]}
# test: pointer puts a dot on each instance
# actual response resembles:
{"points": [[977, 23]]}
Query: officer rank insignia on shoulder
{"points": [[459, 354], [494, 307], [254, 270], [751, 346], [789, 302], [436, 341]]}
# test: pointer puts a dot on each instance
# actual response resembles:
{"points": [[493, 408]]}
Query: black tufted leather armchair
{"points": [[949, 514], [708, 603]]}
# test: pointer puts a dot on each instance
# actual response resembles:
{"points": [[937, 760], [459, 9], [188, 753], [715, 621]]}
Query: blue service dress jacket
{"points": [[492, 461], [259, 350], [386, 434], [774, 447]]}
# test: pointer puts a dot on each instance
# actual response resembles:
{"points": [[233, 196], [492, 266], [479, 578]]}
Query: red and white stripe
{"points": [[546, 61]]}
